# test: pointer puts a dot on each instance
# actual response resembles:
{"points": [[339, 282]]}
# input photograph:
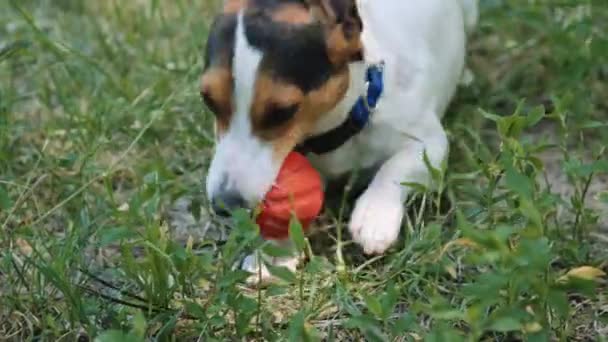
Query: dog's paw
{"points": [[260, 275], [376, 221]]}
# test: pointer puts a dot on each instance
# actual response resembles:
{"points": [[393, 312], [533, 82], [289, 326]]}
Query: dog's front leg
{"points": [[378, 214]]}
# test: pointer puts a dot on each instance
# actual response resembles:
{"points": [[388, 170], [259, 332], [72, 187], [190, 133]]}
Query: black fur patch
{"points": [[220, 43], [296, 54]]}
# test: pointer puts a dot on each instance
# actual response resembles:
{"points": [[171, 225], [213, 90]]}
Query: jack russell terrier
{"points": [[357, 84]]}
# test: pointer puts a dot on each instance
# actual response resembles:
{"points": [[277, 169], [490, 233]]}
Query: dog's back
{"points": [[425, 43]]}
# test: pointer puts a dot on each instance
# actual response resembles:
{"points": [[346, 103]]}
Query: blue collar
{"points": [[358, 117]]}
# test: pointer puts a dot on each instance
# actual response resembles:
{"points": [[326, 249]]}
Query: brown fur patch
{"points": [[234, 6], [216, 85], [341, 49], [292, 14], [269, 93], [313, 106], [343, 35]]}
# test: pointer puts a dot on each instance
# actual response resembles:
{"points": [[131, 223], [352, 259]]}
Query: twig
{"points": [[112, 286], [135, 305], [120, 301]]}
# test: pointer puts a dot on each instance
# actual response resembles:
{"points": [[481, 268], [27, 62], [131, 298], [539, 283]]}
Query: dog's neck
{"points": [[372, 55], [338, 115]]}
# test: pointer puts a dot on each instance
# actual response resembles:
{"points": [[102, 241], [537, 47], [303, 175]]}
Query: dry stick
{"points": [[113, 287], [120, 301], [14, 184], [19, 274], [135, 305], [580, 213]]}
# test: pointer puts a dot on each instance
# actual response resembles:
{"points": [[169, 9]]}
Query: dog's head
{"points": [[273, 68]]}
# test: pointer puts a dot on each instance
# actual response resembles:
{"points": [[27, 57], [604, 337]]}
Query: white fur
{"points": [[423, 46], [242, 162]]}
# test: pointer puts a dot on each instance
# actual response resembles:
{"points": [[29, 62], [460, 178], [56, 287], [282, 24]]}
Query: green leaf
{"points": [[486, 287], [512, 126], [109, 236], [603, 197], [296, 234], [558, 300], [274, 290], [490, 116], [535, 116], [575, 167], [600, 166], [245, 309], [300, 331], [405, 323], [435, 173], [5, 201], [139, 325], [541, 336], [447, 314], [528, 209], [505, 324], [296, 327], [373, 304], [389, 300], [282, 272], [194, 309], [519, 183], [369, 327], [167, 329], [275, 251], [117, 336], [590, 124], [443, 333], [416, 187]]}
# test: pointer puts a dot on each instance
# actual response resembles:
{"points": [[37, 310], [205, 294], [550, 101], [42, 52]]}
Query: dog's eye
{"points": [[209, 102], [278, 115]]}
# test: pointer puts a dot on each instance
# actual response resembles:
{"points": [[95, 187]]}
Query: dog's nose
{"points": [[226, 202]]}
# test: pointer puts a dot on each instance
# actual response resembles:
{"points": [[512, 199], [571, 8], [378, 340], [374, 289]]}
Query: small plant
{"points": [[102, 132]]}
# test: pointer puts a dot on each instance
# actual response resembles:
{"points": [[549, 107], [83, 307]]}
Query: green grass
{"points": [[102, 129]]}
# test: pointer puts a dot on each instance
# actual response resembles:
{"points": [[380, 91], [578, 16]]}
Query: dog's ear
{"points": [[343, 26]]}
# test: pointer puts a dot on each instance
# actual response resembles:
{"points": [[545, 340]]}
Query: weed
{"points": [[102, 131]]}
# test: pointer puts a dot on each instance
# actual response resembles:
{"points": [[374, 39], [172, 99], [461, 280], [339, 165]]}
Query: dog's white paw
{"points": [[260, 275], [376, 221]]}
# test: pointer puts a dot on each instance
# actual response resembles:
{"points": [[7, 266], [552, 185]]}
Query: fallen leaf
{"points": [[462, 242], [584, 272], [452, 271], [533, 327], [24, 247], [189, 243]]}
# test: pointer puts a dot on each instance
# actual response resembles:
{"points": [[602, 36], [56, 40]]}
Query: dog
{"points": [[358, 84]]}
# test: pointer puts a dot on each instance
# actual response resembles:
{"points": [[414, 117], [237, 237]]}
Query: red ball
{"points": [[297, 190]]}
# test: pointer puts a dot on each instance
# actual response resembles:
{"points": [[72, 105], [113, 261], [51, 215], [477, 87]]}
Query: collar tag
{"points": [[374, 86]]}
